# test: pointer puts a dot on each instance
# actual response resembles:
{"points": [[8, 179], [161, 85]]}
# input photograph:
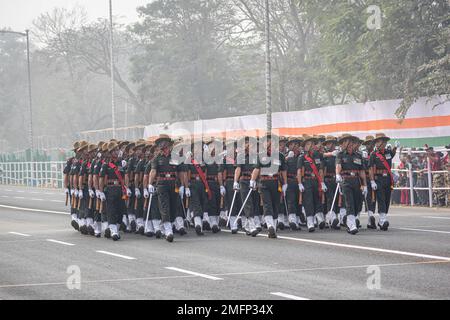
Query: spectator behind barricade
{"points": [[403, 180], [436, 161]]}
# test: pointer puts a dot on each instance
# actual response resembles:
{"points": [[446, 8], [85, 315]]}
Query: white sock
{"points": [[104, 226], [90, 222], [82, 222], [292, 218], [370, 213], [168, 228], [257, 220], [98, 227], [140, 222], [131, 217], [319, 217], [198, 221], [281, 218], [74, 216], [156, 224], [351, 223], [310, 221], [148, 227], [233, 223], [269, 221], [179, 223], [114, 229]]}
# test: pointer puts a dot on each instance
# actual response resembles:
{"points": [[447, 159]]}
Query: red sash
{"points": [[203, 177], [119, 176], [314, 169], [386, 165]]}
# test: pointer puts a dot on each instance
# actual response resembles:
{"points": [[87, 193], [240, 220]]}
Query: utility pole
{"points": [[268, 73], [111, 56]]}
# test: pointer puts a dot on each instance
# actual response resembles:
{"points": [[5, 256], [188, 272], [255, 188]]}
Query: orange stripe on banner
{"points": [[373, 125]]}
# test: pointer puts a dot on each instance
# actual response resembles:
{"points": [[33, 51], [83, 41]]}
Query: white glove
{"points": [[129, 193], [72, 192], [338, 178], [222, 191], [80, 194], [91, 193], [252, 184], [284, 188], [364, 191], [181, 192], [335, 153], [99, 155], [324, 187], [137, 192], [365, 154], [397, 144], [102, 196], [388, 146], [124, 163], [188, 192], [97, 194], [146, 195], [290, 154], [236, 185], [301, 188], [66, 191], [151, 189], [373, 184]]}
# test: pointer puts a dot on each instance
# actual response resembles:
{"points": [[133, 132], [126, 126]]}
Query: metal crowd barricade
{"points": [[430, 188], [33, 174]]}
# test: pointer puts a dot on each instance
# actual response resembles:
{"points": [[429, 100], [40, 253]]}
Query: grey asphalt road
{"points": [[41, 257]]}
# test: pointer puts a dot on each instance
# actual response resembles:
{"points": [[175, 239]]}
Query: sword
{"points": [[243, 205], [334, 198], [148, 211], [231, 207]]}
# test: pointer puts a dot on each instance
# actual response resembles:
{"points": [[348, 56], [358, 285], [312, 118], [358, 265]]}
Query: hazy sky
{"points": [[19, 14]]}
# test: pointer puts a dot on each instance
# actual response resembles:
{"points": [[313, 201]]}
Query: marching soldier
{"points": [[329, 159], [130, 168], [281, 220], [381, 178], [112, 189], [226, 179], [350, 172], [269, 169], [74, 177], [96, 164], [68, 187], [195, 187], [371, 199], [139, 150], [214, 189], [294, 208], [83, 193], [152, 215], [164, 172], [245, 165], [310, 183]]}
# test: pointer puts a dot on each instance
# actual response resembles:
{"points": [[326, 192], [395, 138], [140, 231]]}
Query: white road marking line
{"points": [[194, 273], [61, 201], [8, 190], [423, 230], [332, 268], [19, 197], [33, 210], [20, 191], [33, 192], [20, 234], [192, 276], [432, 217], [116, 255], [343, 245], [5, 196], [36, 199], [288, 296], [60, 242]]}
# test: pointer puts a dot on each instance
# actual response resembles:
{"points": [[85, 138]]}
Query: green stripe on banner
{"points": [[420, 142]]}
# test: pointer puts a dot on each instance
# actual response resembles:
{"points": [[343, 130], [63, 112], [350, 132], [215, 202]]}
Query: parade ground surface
{"points": [[39, 252]]}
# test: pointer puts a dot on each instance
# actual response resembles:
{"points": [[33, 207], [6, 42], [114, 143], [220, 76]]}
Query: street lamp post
{"points": [[30, 101]]}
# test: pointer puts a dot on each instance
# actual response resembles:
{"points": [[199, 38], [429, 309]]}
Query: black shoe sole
{"points": [[234, 231], [75, 225], [169, 238], [281, 226], [115, 237], [98, 235], [372, 224], [91, 231], [311, 229], [206, 226], [198, 230], [133, 226], [385, 226], [358, 223], [353, 232], [140, 231], [182, 232], [108, 233], [149, 234], [158, 234], [322, 225], [271, 233], [293, 226], [222, 223], [335, 224]]}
